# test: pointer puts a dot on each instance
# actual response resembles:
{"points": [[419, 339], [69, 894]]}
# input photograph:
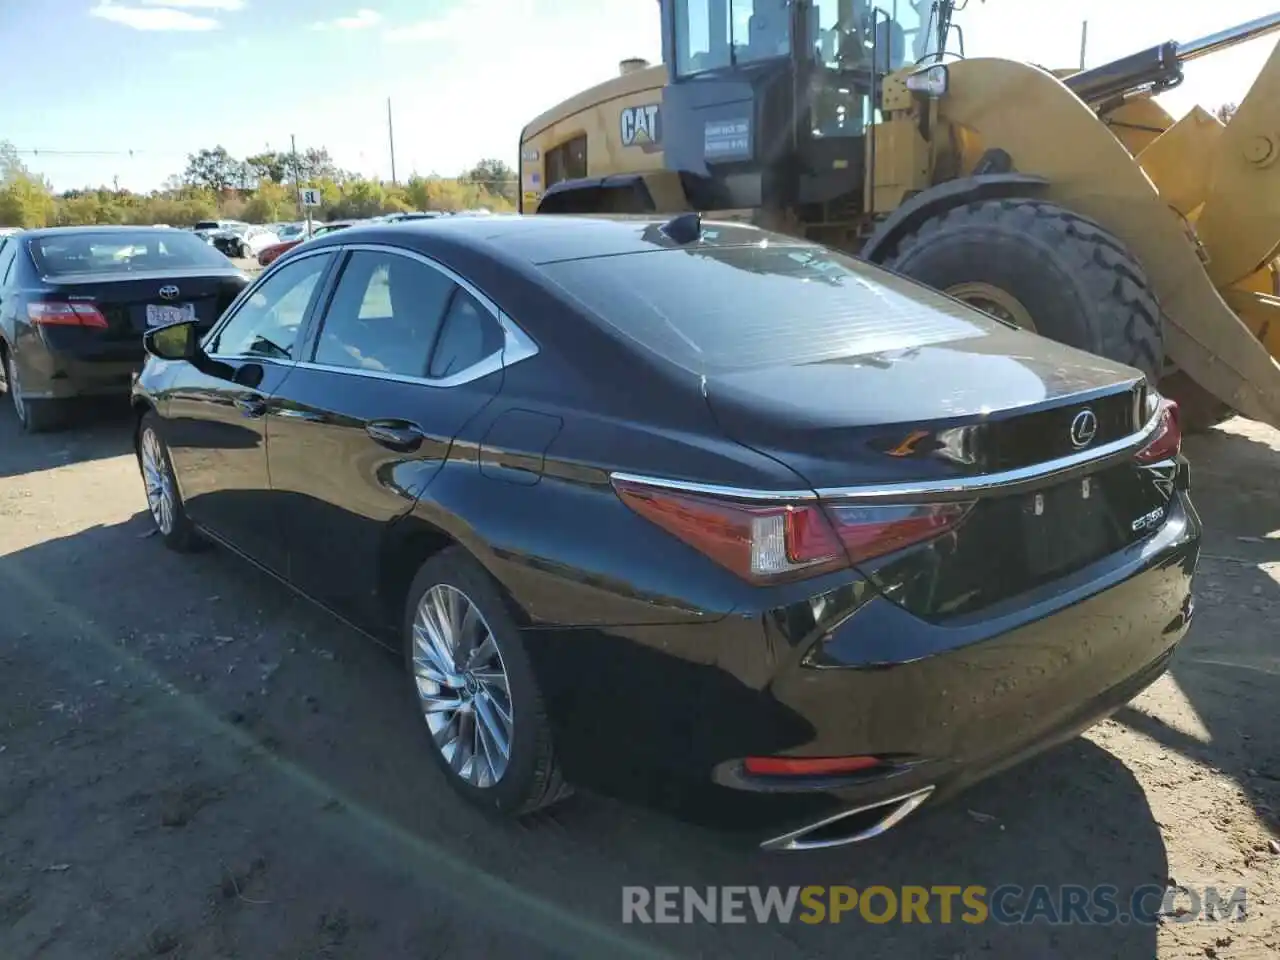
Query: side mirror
{"points": [[176, 341]]}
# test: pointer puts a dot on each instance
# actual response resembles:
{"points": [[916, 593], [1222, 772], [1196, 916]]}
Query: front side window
{"points": [[268, 322], [385, 315]]}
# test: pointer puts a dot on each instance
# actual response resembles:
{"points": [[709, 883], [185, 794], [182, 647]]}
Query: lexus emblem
{"points": [[171, 293], [1084, 428]]}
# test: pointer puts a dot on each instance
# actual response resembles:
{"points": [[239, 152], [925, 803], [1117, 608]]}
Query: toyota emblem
{"points": [[169, 293], [1084, 428]]}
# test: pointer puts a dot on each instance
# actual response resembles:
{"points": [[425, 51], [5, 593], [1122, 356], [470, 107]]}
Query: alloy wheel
{"points": [[462, 684], [158, 481], [15, 388]]}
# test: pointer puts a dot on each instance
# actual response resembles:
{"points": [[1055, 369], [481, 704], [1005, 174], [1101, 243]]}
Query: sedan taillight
{"points": [[1167, 441], [774, 542], [52, 313]]}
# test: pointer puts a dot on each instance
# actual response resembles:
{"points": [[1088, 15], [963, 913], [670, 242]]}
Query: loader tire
{"points": [[1076, 282]]}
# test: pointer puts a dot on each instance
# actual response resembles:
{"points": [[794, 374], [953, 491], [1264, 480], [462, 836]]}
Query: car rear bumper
{"points": [[944, 704], [51, 371]]}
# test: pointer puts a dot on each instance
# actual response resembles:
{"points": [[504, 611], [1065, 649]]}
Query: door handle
{"points": [[251, 406], [396, 434]]}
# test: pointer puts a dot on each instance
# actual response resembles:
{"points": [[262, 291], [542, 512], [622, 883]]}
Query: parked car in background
{"points": [[75, 302], [268, 255], [244, 241], [702, 505], [409, 215], [8, 231], [205, 229]]}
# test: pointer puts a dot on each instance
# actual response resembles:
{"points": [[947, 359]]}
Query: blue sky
{"points": [[162, 78]]}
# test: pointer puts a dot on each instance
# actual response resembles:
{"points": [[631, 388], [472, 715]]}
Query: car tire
{"points": [[164, 500], [464, 740], [246, 252], [1076, 282], [34, 416]]}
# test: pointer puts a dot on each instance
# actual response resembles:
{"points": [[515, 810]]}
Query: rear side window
{"points": [[385, 315], [727, 308], [469, 335], [121, 251]]}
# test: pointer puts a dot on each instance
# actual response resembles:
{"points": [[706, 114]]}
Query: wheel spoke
{"points": [[496, 679], [448, 703], [425, 666], [438, 647], [485, 652], [445, 626], [489, 717], [470, 630]]}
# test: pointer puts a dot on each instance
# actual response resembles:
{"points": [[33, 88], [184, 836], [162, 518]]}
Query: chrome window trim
{"points": [[1003, 482], [243, 297], [516, 346]]}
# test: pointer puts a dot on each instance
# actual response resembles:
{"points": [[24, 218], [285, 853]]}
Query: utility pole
{"points": [[391, 137], [1084, 41], [297, 180]]}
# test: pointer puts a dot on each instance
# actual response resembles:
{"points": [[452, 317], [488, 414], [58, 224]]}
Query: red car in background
{"points": [[273, 252]]}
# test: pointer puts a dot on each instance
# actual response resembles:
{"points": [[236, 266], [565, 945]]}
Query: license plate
{"points": [[1064, 526], [160, 314]]}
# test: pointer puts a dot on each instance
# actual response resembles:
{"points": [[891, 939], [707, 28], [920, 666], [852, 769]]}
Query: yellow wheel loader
{"points": [[1066, 202]]}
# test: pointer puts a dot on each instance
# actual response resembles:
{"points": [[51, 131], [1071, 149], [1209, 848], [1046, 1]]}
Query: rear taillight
{"points": [[1167, 441], [772, 542], [52, 313]]}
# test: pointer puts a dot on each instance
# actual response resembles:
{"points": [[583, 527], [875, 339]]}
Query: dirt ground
{"points": [[193, 763]]}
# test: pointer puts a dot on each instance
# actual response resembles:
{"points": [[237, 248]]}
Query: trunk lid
{"points": [[969, 407], [940, 422], [124, 299]]}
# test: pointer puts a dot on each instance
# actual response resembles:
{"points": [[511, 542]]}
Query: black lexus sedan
{"points": [[690, 503], [75, 301]]}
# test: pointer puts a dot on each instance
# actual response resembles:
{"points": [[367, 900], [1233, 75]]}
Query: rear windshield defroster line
{"points": [[730, 308]]}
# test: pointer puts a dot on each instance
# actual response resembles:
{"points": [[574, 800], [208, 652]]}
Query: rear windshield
{"points": [[121, 251], [207, 225], [726, 308]]}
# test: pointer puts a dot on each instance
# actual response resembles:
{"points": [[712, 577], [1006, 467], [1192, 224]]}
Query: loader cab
{"points": [[768, 102]]}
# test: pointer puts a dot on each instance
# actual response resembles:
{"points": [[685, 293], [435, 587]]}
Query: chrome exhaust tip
{"points": [[883, 816]]}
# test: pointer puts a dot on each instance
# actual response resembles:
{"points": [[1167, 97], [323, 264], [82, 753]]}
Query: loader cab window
{"points": [[846, 32], [567, 161], [716, 34]]}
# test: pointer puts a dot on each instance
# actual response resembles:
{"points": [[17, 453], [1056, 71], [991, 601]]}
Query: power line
{"points": [[41, 152]]}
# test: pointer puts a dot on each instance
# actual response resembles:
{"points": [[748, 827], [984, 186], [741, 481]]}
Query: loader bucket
{"points": [[1047, 130]]}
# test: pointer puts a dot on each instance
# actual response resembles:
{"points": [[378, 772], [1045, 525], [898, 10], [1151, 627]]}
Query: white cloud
{"points": [[152, 17], [225, 5], [468, 19], [362, 19]]}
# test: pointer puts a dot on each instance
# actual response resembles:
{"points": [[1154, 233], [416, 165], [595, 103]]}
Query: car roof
{"points": [[541, 239]]}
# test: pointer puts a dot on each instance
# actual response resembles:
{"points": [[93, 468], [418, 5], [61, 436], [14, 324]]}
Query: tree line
{"points": [[263, 188]]}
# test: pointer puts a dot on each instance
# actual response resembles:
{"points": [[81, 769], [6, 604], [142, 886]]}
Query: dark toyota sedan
{"points": [[691, 505], [75, 301]]}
